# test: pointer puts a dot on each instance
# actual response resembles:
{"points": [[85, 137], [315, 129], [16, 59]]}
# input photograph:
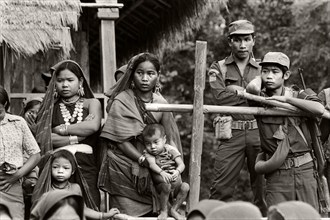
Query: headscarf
{"points": [[204, 207], [235, 210], [49, 200], [45, 114], [297, 210], [125, 83], [121, 69], [44, 183]]}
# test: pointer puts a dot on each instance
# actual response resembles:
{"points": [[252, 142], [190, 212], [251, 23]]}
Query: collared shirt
{"points": [[16, 139], [233, 76], [269, 125]]}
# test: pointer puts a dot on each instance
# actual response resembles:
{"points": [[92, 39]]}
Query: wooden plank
{"points": [[198, 124]]}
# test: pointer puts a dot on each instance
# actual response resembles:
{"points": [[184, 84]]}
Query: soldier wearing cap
{"points": [[226, 77], [286, 142]]}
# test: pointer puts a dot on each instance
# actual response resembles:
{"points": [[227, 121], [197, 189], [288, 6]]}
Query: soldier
{"points": [[242, 142], [286, 142]]}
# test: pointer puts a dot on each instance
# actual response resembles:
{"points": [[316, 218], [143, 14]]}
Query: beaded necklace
{"points": [[78, 111]]}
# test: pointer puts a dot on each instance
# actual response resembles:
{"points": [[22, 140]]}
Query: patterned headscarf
{"points": [[45, 114]]}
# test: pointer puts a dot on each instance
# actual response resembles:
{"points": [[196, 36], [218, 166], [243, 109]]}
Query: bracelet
{"points": [[141, 159], [63, 129], [178, 171], [101, 215], [73, 140]]}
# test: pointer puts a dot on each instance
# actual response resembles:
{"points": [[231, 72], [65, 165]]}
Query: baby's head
{"points": [[154, 138], [63, 165]]}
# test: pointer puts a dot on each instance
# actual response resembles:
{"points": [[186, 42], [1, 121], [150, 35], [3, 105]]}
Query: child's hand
{"points": [[166, 176], [111, 213], [175, 174]]}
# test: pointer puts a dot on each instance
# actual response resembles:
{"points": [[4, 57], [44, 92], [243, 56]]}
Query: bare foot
{"points": [[176, 215], [162, 216]]}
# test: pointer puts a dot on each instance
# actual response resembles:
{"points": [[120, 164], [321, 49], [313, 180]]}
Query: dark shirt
{"points": [[233, 76], [268, 125]]}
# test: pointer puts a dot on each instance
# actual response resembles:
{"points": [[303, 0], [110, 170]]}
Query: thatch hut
{"points": [[36, 35]]}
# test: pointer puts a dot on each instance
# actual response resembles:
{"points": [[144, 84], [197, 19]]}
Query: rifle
{"points": [[319, 159]]}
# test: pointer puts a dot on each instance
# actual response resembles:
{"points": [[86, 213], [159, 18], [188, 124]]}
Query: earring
{"points": [[55, 93], [132, 85], [81, 91], [157, 87]]}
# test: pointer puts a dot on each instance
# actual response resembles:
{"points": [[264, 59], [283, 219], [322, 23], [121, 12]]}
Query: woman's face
{"points": [[145, 76], [67, 84], [33, 111]]}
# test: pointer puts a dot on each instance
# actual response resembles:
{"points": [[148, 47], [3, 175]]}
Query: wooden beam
{"points": [[102, 5], [197, 124], [128, 11], [164, 3], [150, 11]]}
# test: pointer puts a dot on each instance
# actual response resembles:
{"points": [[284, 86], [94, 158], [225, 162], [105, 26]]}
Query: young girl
{"points": [[61, 173]]}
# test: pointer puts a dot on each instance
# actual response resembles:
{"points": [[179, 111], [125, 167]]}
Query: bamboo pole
{"points": [[198, 124], [188, 108], [102, 5], [263, 100]]}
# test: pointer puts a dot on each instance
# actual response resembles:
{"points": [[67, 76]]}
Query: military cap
{"points": [[277, 58], [241, 27]]}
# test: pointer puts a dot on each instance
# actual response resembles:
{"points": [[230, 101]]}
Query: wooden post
{"points": [[198, 124], [1, 65], [108, 44], [108, 58]]}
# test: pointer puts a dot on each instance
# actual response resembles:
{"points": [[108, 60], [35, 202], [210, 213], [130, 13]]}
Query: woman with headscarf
{"points": [[12, 165], [70, 118], [124, 173]]}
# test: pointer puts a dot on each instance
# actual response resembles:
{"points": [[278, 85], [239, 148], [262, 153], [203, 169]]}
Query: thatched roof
{"points": [[149, 24], [29, 26]]}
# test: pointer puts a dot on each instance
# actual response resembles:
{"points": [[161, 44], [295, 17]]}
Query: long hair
{"points": [[4, 98]]}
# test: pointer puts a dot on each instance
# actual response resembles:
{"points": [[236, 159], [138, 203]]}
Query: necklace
{"points": [[68, 101], [78, 111]]}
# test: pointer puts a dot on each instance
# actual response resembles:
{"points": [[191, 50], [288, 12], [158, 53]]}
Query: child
{"points": [[166, 163], [286, 141], [60, 168]]}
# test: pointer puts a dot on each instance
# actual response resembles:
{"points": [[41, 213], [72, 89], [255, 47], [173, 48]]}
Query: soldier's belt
{"points": [[244, 125], [296, 161]]}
